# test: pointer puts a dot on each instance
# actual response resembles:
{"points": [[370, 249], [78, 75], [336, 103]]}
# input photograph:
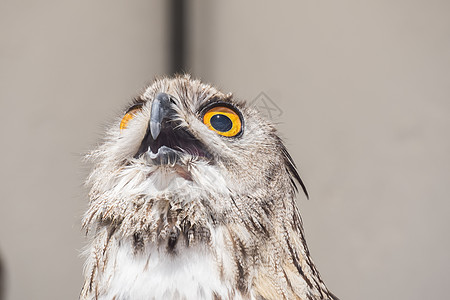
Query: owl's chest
{"points": [[190, 273]]}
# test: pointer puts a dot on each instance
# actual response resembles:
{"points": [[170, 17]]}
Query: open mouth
{"points": [[165, 142], [171, 144]]}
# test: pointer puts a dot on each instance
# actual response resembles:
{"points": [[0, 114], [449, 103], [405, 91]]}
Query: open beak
{"points": [[165, 141]]}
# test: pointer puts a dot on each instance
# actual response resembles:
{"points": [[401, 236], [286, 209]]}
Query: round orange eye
{"points": [[223, 120], [128, 116]]}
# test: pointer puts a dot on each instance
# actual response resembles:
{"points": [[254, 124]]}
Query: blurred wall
{"points": [[66, 69], [362, 92]]}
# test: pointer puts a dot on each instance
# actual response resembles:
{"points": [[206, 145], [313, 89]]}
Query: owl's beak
{"points": [[161, 109], [165, 141]]}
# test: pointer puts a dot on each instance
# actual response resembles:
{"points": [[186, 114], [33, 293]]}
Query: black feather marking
{"points": [[295, 260], [216, 296], [287, 280], [138, 242], [241, 279], [333, 296], [173, 239], [291, 168]]}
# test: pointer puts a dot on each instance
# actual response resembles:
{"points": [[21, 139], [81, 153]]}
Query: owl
{"points": [[192, 196]]}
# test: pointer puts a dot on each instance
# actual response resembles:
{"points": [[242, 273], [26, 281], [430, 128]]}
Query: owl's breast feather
{"points": [[192, 273]]}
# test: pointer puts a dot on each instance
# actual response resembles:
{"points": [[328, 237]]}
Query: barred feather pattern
{"points": [[223, 228]]}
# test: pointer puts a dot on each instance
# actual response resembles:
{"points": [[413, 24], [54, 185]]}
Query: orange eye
{"points": [[129, 115], [223, 120]]}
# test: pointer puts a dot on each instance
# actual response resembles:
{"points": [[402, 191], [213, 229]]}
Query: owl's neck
{"points": [[242, 250]]}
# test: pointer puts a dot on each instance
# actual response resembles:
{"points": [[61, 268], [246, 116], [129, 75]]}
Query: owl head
{"points": [[183, 139]]}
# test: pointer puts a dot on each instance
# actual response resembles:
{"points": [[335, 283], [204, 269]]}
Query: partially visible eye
{"points": [[224, 120], [131, 112]]}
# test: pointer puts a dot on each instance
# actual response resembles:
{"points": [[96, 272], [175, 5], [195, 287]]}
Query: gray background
{"points": [[364, 91]]}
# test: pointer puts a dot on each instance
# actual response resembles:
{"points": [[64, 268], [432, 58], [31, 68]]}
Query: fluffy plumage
{"points": [[215, 219]]}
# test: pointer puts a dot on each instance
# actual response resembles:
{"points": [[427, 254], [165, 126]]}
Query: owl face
{"points": [[182, 135]]}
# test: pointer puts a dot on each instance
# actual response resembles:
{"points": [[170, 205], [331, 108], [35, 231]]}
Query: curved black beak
{"points": [[161, 109]]}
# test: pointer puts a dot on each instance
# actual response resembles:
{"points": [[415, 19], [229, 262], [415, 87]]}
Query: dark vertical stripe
{"points": [[177, 35], [2, 280], [138, 242]]}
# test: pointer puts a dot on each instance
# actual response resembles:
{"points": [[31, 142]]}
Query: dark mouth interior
{"points": [[175, 138], [178, 139]]}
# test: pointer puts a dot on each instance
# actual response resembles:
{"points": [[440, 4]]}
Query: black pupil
{"points": [[221, 123]]}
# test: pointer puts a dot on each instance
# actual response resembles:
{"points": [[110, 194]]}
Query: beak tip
{"points": [[155, 129]]}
